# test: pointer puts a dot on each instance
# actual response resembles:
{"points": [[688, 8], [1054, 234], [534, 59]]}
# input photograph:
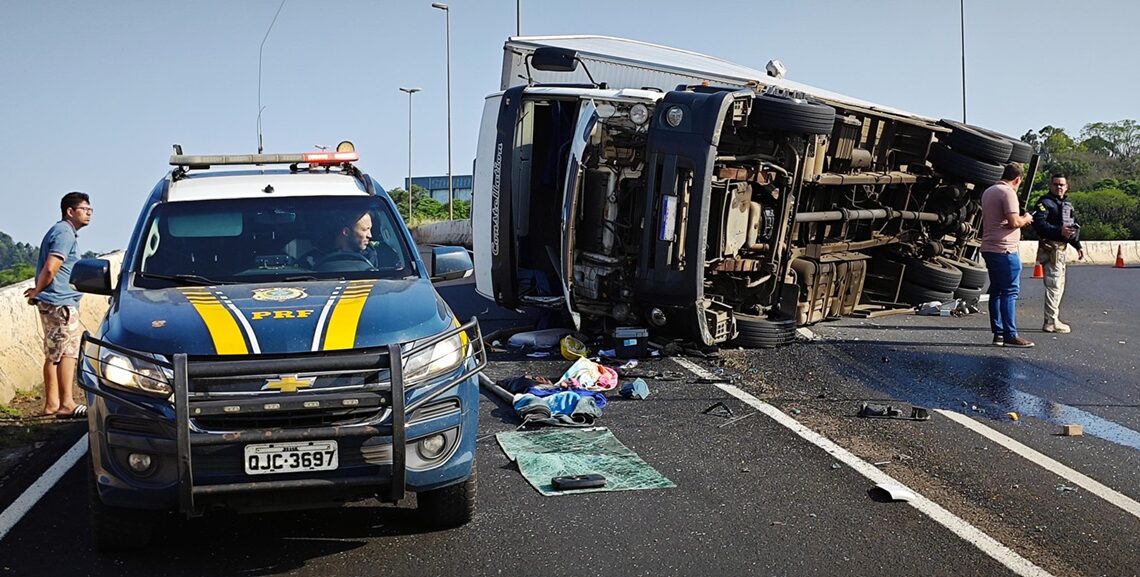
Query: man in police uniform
{"points": [[1056, 225]]}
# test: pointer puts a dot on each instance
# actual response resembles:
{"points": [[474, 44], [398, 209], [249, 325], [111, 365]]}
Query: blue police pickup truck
{"points": [[274, 341]]}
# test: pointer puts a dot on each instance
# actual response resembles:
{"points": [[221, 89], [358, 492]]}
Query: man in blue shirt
{"points": [[58, 305]]}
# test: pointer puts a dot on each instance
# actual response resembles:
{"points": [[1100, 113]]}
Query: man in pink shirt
{"points": [[1002, 220]]}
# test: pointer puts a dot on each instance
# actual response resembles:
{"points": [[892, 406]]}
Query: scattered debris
{"points": [[538, 354], [896, 492], [794, 411], [881, 463], [1012, 416], [734, 421], [636, 389], [630, 364], [572, 349], [718, 409], [543, 339], [1072, 430], [872, 411], [836, 466], [1063, 488]]}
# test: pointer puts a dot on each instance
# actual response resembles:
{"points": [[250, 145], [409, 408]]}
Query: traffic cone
{"points": [[1119, 258], [1038, 271]]}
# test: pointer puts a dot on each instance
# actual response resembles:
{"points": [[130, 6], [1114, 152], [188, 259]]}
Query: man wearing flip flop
{"points": [[58, 305]]}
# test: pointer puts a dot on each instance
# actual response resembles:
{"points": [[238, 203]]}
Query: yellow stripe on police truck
{"points": [[224, 330], [341, 332]]}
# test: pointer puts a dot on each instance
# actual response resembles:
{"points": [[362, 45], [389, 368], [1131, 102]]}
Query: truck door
{"points": [[587, 120]]}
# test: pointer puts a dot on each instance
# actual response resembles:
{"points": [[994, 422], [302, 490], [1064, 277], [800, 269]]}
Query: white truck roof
{"points": [[625, 63]]}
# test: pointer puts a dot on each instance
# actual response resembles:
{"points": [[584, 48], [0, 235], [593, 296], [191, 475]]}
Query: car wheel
{"points": [[450, 506], [976, 143], [787, 114], [974, 275], [954, 163], [118, 528], [758, 332]]}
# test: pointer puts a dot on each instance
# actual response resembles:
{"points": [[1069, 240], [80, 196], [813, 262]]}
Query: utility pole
{"points": [[410, 92], [962, 10]]}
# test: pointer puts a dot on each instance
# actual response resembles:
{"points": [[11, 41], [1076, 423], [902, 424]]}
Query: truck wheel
{"points": [[954, 163], [449, 506], [757, 332], [1022, 151], [118, 528], [911, 293], [788, 114], [974, 275], [974, 142], [936, 275], [971, 296]]}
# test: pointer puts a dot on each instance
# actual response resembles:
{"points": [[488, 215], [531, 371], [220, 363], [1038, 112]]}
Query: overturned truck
{"points": [[628, 183]]}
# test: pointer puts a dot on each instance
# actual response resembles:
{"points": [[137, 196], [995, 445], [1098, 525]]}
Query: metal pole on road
{"points": [[450, 187], [410, 92]]}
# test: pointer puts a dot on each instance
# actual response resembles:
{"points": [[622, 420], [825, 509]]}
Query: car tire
{"points": [[934, 275], [954, 163], [758, 332], [976, 143], [450, 506], [787, 114], [119, 528], [911, 293], [974, 275]]}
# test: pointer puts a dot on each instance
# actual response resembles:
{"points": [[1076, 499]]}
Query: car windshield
{"points": [[257, 240]]}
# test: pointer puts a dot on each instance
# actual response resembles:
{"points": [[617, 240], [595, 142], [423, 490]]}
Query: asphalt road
{"points": [[752, 496]]}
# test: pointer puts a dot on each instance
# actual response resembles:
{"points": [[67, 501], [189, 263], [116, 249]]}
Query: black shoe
{"points": [[999, 341], [1018, 343]]}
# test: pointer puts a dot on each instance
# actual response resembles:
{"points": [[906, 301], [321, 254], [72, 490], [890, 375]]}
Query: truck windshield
{"points": [[257, 240]]}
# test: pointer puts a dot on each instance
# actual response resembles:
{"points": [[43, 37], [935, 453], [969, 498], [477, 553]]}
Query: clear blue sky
{"points": [[94, 93]]}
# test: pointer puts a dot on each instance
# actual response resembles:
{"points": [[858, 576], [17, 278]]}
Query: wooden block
{"points": [[1072, 430]]}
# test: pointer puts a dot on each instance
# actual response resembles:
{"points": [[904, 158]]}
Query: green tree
{"points": [[1107, 214], [17, 273]]}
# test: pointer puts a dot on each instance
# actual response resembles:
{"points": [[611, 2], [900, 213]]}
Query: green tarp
{"points": [[542, 455]]}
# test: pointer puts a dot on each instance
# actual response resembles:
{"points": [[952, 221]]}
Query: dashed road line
{"points": [[37, 490], [1075, 477], [976, 537]]}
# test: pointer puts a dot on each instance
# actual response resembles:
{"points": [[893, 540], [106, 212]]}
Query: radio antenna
{"points": [[260, 50]]}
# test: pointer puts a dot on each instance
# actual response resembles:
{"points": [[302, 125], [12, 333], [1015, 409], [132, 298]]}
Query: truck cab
{"points": [[736, 206], [274, 341]]}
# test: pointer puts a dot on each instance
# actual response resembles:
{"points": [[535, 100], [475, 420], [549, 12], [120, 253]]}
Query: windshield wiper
{"points": [[297, 278], [184, 278]]}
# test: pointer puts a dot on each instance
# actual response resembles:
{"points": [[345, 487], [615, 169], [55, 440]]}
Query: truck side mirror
{"points": [[553, 59], [92, 275], [450, 263]]}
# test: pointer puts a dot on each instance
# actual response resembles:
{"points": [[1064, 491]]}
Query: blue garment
{"points": [[1005, 285], [539, 391], [61, 240], [562, 409]]}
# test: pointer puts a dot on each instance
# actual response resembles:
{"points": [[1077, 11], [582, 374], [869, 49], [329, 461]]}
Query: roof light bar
{"points": [[207, 160]]}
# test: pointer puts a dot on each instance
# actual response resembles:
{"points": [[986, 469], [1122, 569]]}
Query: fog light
{"points": [[674, 115], [657, 317], [432, 447], [139, 462]]}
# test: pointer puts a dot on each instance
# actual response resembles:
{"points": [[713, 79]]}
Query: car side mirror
{"points": [[92, 275], [450, 263]]}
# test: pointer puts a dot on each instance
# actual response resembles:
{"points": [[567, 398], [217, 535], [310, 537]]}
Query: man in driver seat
{"points": [[352, 247]]}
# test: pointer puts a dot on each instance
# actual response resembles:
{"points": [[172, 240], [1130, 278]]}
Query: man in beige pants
{"points": [[1056, 225]]}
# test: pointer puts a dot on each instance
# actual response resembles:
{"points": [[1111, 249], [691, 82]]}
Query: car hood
{"points": [[273, 319]]}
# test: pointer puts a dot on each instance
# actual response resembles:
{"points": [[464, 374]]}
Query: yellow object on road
{"points": [[572, 348]]}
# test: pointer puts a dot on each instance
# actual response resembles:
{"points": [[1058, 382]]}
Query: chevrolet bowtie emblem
{"points": [[288, 384]]}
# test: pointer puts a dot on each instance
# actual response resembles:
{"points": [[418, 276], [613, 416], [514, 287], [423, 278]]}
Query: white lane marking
{"points": [[34, 493], [1079, 479], [988, 545]]}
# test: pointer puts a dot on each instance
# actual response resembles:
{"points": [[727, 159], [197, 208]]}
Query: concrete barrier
{"points": [[21, 345], [1096, 252], [448, 233]]}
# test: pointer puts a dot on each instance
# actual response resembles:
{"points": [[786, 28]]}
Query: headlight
{"points": [[674, 115], [639, 113], [136, 374], [441, 358]]}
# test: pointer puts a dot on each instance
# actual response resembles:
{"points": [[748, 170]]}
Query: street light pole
{"points": [[450, 186], [518, 18], [962, 13], [410, 92]]}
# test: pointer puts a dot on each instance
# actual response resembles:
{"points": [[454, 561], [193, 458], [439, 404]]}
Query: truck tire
{"points": [[933, 275], [954, 163], [972, 141], [1022, 151], [969, 295], [118, 528], [787, 114], [974, 275], [758, 332], [911, 293], [450, 506]]}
